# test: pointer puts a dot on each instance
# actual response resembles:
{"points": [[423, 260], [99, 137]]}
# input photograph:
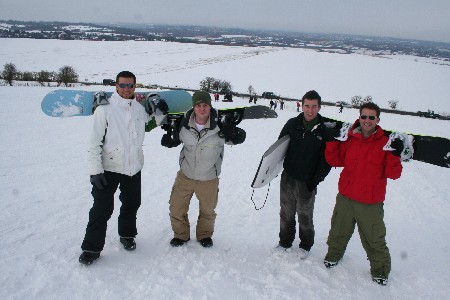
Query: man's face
{"points": [[368, 120], [202, 111], [310, 109], [125, 87]]}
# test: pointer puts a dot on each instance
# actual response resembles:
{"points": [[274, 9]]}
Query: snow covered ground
{"points": [[46, 191]]}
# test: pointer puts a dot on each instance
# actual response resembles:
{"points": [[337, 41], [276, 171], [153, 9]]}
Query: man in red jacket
{"points": [[362, 189]]}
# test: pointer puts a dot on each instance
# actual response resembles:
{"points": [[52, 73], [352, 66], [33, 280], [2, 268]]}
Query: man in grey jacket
{"points": [[200, 165], [115, 160]]}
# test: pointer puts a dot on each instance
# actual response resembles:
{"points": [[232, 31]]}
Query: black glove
{"points": [[151, 105], [311, 185], [240, 136], [148, 106], [161, 104], [99, 180], [228, 131], [332, 133], [397, 145], [168, 142]]}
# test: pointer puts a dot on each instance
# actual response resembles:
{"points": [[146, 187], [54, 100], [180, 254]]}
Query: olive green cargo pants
{"points": [[372, 232], [180, 198]]}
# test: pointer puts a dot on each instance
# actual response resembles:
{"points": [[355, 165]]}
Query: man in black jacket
{"points": [[304, 167]]}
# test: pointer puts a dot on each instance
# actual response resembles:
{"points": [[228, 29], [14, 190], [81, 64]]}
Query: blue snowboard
{"points": [[69, 103]]}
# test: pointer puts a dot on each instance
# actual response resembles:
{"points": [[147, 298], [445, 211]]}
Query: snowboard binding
{"points": [[100, 98]]}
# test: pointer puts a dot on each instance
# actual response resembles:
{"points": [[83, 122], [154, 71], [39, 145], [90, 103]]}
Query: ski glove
{"points": [[151, 105], [397, 145], [99, 180], [161, 104]]}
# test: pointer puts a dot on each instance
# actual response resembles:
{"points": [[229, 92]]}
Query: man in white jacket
{"points": [[115, 160]]}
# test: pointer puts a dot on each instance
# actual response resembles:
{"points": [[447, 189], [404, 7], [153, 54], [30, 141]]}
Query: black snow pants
{"points": [[103, 207]]}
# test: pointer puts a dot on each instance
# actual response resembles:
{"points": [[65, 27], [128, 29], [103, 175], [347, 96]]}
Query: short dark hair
{"points": [[372, 106], [126, 74], [312, 95]]}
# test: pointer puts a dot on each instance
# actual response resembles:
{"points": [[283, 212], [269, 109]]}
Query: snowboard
{"points": [[69, 103], [428, 149], [233, 116], [271, 162]]}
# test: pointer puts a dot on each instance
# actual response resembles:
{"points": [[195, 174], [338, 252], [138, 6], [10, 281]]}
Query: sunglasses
{"points": [[370, 117], [124, 85]]}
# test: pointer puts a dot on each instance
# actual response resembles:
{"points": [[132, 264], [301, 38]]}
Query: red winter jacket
{"points": [[366, 165]]}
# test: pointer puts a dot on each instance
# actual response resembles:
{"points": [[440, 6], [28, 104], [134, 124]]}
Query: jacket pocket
{"points": [[113, 159]]}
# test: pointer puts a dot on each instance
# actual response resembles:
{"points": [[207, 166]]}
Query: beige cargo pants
{"points": [[180, 198]]}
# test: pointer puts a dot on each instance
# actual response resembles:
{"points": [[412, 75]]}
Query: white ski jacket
{"points": [[116, 139]]}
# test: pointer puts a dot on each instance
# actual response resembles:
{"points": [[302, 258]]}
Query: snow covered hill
{"points": [[46, 194]]}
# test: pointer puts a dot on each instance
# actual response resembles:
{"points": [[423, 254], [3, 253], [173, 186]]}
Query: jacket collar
{"points": [[121, 101], [189, 121], [356, 131]]}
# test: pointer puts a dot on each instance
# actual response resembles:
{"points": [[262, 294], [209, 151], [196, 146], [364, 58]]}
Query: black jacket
{"points": [[305, 156]]}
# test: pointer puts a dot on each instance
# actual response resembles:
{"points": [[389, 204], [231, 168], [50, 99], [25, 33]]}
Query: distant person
{"points": [[275, 102], [281, 104], [304, 168], [298, 106], [200, 166], [115, 160], [255, 99], [341, 107], [271, 103], [362, 190], [216, 97]]}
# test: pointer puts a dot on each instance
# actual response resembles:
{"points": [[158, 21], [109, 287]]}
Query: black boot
{"points": [[176, 242], [206, 242], [128, 243], [87, 258]]}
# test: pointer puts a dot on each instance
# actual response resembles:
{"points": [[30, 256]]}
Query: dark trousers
{"points": [[103, 207], [296, 199]]}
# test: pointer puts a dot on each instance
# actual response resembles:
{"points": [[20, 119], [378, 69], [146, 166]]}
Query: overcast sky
{"points": [[417, 19]]}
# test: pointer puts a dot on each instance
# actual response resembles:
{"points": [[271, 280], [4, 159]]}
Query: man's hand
{"points": [[99, 180], [397, 145]]}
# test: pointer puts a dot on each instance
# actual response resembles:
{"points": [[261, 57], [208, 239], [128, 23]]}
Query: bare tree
{"points": [[67, 75], [251, 90], [356, 101], [9, 73], [43, 76], [225, 87], [393, 104], [367, 99], [207, 84]]}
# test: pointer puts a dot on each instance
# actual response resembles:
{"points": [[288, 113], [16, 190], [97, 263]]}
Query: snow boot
{"points": [[380, 280], [330, 264], [206, 242], [176, 242], [87, 258], [128, 243]]}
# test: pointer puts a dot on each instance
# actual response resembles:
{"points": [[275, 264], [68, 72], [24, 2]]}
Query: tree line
{"points": [[65, 76]]}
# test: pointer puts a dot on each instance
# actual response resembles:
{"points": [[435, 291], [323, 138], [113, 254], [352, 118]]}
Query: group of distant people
{"points": [[274, 103], [115, 157]]}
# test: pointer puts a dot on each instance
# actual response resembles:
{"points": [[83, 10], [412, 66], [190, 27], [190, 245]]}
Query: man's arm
{"points": [[96, 140]]}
